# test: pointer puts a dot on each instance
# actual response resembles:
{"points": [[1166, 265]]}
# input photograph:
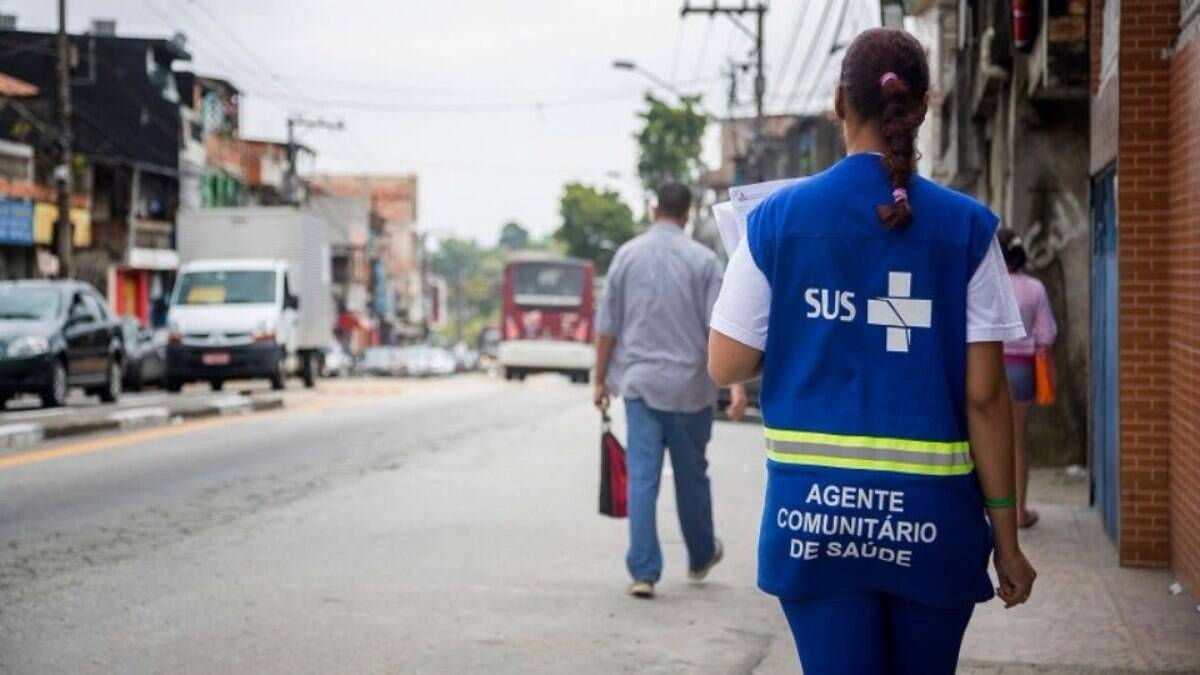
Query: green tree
{"points": [[513, 237], [457, 261], [594, 223], [670, 142]]}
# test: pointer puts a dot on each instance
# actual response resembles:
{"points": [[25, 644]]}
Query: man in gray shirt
{"points": [[652, 350]]}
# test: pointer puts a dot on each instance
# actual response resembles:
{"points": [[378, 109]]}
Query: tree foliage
{"points": [[473, 275], [513, 237], [456, 260], [670, 142], [594, 223]]}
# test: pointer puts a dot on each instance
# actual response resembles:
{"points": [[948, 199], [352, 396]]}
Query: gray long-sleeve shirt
{"points": [[658, 300]]}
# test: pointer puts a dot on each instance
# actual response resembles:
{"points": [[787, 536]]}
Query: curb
{"points": [[23, 434], [20, 434]]}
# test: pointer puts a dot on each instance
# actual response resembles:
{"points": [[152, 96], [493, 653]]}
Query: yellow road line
{"points": [[142, 436]]}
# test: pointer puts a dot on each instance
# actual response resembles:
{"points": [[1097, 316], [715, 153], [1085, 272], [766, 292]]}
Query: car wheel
{"points": [[55, 392], [172, 385], [309, 371], [136, 381], [111, 391], [278, 378], [217, 385]]}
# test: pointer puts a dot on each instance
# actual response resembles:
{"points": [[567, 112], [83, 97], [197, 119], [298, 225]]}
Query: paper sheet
{"points": [[727, 226], [732, 216]]}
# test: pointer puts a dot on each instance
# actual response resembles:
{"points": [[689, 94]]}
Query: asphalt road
{"points": [[440, 527]]}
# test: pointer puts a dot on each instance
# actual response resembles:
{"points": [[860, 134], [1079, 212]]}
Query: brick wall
{"points": [[1184, 322], [1147, 28]]}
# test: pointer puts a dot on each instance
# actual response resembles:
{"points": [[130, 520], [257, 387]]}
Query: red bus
{"points": [[546, 317]]}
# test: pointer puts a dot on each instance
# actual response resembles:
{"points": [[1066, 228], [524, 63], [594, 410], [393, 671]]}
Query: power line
{"points": [[834, 47], [233, 37], [461, 92], [396, 107], [171, 23], [476, 167], [793, 41], [679, 31], [808, 56], [267, 74], [703, 50]]}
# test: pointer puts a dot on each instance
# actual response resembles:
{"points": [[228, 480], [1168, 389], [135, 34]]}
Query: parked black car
{"points": [[55, 335], [145, 355]]}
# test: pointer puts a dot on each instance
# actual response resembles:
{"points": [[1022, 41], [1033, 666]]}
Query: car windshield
{"points": [[548, 284], [29, 303], [227, 288]]}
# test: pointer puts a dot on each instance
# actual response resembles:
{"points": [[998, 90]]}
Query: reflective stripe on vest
{"points": [[931, 458]]}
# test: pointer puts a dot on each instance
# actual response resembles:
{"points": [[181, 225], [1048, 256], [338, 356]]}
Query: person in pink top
{"points": [[1020, 354]]}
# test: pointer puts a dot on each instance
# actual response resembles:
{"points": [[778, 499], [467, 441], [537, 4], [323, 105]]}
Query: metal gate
{"points": [[1105, 441]]}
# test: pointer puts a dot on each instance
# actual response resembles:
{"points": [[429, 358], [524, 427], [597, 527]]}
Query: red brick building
{"points": [[1145, 163]]}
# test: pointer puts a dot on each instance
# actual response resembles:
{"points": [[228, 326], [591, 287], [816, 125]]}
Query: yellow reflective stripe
{"points": [[872, 464], [873, 454], [903, 444]]}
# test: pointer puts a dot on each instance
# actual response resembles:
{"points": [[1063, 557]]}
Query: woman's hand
{"points": [[1016, 577]]}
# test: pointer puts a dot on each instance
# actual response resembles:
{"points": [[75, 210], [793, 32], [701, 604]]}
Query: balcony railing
{"points": [[152, 233]]}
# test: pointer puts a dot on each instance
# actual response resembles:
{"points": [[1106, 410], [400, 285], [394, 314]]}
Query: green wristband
{"points": [[1001, 503]]}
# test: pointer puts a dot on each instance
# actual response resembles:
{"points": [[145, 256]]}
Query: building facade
{"points": [[128, 139], [1008, 124], [393, 249], [349, 221], [1145, 61]]}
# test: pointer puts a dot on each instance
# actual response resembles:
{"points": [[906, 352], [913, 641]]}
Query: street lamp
{"points": [[622, 64]]}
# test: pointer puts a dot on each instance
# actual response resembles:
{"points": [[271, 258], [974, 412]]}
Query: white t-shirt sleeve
{"points": [[744, 304], [992, 312]]}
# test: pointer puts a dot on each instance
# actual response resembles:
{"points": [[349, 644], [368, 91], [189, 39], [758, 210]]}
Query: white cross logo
{"points": [[899, 312]]}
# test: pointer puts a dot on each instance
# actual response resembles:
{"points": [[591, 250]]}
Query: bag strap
{"points": [[605, 422]]}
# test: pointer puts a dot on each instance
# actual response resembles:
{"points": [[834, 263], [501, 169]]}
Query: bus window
{"points": [[547, 284]]}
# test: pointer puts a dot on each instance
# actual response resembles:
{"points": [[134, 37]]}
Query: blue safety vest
{"points": [[870, 486]]}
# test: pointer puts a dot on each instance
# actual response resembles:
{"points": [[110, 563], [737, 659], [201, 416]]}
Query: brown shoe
{"points": [[718, 554]]}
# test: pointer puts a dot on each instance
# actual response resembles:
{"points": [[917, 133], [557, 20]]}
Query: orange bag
{"points": [[1043, 378]]}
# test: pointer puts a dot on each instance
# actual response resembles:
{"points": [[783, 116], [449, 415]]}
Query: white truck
{"points": [[252, 297]]}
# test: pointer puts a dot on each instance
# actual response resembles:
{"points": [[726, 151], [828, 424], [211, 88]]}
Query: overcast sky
{"points": [[493, 104]]}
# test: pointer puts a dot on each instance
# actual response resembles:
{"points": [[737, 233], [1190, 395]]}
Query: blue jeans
{"points": [[686, 435]]}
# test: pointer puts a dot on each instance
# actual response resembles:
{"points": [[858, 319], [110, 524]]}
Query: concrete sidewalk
{"points": [[23, 428], [1087, 615]]}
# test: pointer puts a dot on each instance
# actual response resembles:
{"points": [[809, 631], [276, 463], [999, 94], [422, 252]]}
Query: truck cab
{"points": [[232, 319]]}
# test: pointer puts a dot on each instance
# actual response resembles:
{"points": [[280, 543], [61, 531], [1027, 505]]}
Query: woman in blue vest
{"points": [[875, 304]]}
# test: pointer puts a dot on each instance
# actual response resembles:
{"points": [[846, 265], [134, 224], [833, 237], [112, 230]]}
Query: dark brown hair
{"points": [[885, 79], [1013, 249], [674, 199]]}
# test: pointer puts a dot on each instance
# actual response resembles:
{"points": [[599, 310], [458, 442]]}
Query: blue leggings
{"points": [[875, 634]]}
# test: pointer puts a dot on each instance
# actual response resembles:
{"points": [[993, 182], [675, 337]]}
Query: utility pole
{"points": [[291, 183], [735, 12], [62, 173]]}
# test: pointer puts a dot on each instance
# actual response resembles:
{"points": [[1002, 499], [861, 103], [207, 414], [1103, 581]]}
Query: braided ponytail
{"points": [[885, 77]]}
